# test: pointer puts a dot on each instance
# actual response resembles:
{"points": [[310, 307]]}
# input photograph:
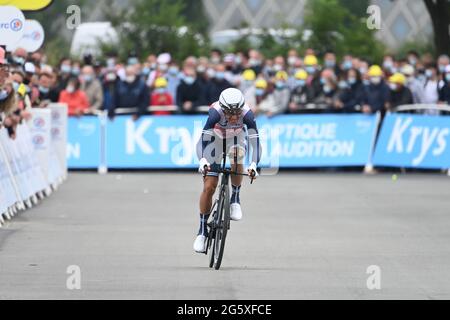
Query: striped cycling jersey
{"points": [[218, 125]]}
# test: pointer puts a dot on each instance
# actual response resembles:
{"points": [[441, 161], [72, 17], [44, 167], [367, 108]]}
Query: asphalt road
{"points": [[303, 236]]}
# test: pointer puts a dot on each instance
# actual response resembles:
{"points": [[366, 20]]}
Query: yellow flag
{"points": [[27, 5]]}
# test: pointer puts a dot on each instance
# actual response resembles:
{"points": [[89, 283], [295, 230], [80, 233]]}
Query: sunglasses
{"points": [[233, 112]]}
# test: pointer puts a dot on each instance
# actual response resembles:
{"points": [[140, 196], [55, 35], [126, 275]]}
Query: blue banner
{"points": [[170, 141], [414, 141], [83, 142], [317, 140]]}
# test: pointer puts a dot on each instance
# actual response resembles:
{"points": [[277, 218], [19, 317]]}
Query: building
{"points": [[402, 20]]}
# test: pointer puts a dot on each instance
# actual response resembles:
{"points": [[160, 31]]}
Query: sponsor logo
{"points": [[39, 122], [16, 25], [38, 140]]}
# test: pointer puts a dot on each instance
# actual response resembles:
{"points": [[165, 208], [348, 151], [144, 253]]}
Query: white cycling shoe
{"points": [[200, 244], [236, 212]]}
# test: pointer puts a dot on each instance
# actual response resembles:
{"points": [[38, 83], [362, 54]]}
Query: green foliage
{"points": [[153, 26], [421, 47], [335, 28]]}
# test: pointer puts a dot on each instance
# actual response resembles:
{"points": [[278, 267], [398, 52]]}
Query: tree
{"points": [[439, 11], [154, 26], [335, 28]]}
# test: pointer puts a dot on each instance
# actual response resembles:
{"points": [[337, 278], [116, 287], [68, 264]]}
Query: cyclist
{"points": [[231, 121]]}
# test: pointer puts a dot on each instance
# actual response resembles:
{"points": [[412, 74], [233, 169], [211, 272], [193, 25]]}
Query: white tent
{"points": [[89, 36]]}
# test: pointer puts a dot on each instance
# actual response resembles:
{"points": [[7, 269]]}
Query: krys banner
{"points": [[170, 142], [414, 141]]}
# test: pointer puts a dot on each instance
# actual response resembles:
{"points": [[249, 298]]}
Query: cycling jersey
{"points": [[218, 128]]}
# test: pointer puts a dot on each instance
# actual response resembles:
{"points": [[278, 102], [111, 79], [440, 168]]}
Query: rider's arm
{"points": [[208, 133], [253, 136]]}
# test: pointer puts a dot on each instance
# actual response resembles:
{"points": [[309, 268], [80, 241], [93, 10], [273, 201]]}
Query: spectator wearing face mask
{"points": [[412, 83], [301, 94], [109, 86], [443, 62], [92, 87], [76, 99], [400, 93], [377, 94], [347, 63], [247, 80], [351, 88], [46, 94], [444, 92], [7, 96], [281, 95], [65, 72], [218, 84], [161, 96], [262, 100], [328, 94], [389, 65], [130, 93], [189, 92], [76, 68], [163, 62], [18, 58], [312, 68], [173, 80], [330, 62]]}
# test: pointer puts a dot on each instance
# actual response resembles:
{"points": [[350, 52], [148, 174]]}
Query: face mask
{"points": [[366, 82], [15, 86], [146, 71], [65, 68], [87, 78], [362, 70], [421, 78], [259, 92], [447, 77], [19, 60], [220, 75], [375, 80], [352, 80], [310, 70], [215, 60], [247, 83], [342, 85], [278, 67], [173, 71], [44, 90], [3, 95], [160, 90], [201, 69], [330, 63], [76, 72], [441, 68], [254, 62], [189, 80], [412, 61], [132, 61], [300, 83], [70, 89], [393, 86], [110, 63], [428, 73], [111, 76], [279, 85], [347, 65], [292, 60], [153, 66], [388, 64], [163, 67], [130, 79], [323, 81], [211, 73], [326, 89], [238, 60]]}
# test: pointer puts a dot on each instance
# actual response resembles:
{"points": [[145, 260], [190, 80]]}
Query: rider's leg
{"points": [[236, 182], [209, 187]]}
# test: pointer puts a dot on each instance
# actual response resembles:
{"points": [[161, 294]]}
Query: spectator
{"points": [[76, 68], [76, 99], [18, 58], [65, 71], [263, 100], [400, 94], [349, 100], [444, 93], [329, 91], [247, 80], [443, 62], [217, 85], [312, 68], [375, 95], [330, 62], [189, 92], [92, 87], [301, 95], [161, 96], [412, 83], [110, 81], [131, 94], [173, 80], [347, 63], [163, 62], [46, 94], [431, 88]]}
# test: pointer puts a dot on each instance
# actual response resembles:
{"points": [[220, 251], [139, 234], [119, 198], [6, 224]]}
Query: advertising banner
{"points": [[83, 146], [414, 141]]}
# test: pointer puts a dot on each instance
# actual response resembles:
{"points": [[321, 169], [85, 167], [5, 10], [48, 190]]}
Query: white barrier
{"points": [[34, 163]]}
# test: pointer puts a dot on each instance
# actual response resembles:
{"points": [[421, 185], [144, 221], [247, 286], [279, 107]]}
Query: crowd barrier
{"points": [[34, 164], [288, 141]]}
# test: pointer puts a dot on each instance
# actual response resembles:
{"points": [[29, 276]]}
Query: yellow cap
{"points": [[281, 75], [398, 78], [160, 82], [375, 71], [301, 74], [22, 90], [310, 60], [261, 84], [249, 75]]}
